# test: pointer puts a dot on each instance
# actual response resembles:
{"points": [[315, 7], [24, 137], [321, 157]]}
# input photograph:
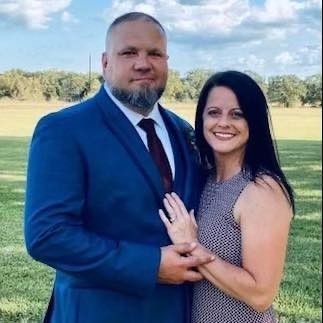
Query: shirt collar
{"points": [[133, 116]]}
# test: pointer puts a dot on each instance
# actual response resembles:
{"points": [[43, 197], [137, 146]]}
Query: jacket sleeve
{"points": [[53, 224]]}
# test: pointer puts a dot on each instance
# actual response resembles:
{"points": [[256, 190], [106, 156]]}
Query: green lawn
{"points": [[25, 284]]}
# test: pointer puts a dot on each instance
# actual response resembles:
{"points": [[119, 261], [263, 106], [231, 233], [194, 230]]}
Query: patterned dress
{"points": [[221, 234]]}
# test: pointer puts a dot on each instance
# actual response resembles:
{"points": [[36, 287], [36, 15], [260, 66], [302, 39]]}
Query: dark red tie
{"points": [[157, 152]]}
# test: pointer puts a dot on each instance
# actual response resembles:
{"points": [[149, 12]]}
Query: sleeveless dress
{"points": [[218, 231]]}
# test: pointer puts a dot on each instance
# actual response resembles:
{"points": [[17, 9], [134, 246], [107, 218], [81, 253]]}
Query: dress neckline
{"points": [[227, 180]]}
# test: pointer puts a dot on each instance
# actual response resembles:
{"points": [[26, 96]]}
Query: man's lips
{"points": [[138, 79]]}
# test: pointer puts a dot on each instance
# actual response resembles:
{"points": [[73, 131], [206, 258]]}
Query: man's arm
{"points": [[54, 230]]}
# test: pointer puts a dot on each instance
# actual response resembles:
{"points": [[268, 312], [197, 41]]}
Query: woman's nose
{"points": [[223, 120]]}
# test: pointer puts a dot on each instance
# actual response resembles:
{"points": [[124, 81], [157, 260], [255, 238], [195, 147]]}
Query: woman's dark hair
{"points": [[261, 156]]}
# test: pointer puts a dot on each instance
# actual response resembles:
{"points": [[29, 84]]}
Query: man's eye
{"points": [[156, 54], [128, 53]]}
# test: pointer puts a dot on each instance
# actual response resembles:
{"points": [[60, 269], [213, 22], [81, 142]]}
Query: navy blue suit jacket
{"points": [[92, 200]]}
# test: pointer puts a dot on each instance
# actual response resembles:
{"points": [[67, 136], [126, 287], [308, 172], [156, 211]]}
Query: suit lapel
{"points": [[127, 135]]}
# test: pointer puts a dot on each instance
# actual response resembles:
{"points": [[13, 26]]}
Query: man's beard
{"points": [[141, 100]]}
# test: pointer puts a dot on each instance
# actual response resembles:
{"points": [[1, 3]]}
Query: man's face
{"points": [[135, 63]]}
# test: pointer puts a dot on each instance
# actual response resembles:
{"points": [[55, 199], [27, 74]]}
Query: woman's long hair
{"points": [[261, 156]]}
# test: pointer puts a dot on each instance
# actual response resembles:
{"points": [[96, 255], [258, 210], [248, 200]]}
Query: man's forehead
{"points": [[128, 35], [137, 26], [142, 20]]}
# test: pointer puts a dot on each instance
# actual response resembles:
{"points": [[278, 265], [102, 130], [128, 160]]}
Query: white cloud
{"points": [[66, 17], [276, 11], [311, 55], [219, 22], [307, 56], [222, 21], [209, 17], [34, 14], [251, 62], [286, 58], [311, 4], [222, 32]]}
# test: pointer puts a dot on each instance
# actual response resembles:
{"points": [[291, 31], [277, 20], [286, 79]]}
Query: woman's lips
{"points": [[223, 135]]}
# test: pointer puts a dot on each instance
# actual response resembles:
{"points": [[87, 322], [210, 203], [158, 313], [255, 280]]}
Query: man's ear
{"points": [[104, 60]]}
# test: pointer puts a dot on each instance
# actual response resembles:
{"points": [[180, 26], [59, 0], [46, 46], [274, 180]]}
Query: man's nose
{"points": [[142, 62]]}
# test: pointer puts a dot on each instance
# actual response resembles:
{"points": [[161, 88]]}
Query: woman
{"points": [[245, 208]]}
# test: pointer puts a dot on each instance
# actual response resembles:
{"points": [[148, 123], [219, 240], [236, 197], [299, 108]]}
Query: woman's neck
{"points": [[227, 167]]}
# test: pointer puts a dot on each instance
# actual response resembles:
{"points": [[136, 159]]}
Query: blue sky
{"points": [[270, 37]]}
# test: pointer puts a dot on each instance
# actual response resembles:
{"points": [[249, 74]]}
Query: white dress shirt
{"points": [[160, 127]]}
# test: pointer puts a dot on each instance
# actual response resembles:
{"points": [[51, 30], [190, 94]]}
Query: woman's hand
{"points": [[181, 225]]}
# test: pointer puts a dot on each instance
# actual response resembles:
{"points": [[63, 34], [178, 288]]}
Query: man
{"points": [[94, 188]]}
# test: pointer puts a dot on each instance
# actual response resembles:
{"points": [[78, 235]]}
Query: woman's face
{"points": [[224, 127]]}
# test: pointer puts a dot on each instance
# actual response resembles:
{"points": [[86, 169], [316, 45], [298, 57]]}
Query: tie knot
{"points": [[147, 125]]}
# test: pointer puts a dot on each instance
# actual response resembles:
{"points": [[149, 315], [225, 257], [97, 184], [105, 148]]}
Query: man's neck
{"points": [[142, 112]]}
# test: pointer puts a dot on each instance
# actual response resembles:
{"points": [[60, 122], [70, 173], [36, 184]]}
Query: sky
{"points": [[269, 37]]}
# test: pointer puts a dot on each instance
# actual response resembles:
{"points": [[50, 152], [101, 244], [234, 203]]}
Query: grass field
{"points": [[25, 284], [18, 119]]}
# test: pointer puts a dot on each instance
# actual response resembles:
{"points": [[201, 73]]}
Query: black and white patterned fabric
{"points": [[221, 234]]}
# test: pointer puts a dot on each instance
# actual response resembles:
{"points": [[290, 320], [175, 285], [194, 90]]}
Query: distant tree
{"points": [[4, 86], [194, 80], [93, 83], [33, 90], [17, 83], [71, 86], [286, 90], [50, 84], [96, 81], [261, 81], [313, 90], [174, 89]]}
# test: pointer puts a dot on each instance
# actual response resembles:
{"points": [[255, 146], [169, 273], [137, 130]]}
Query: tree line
{"points": [[285, 90]]}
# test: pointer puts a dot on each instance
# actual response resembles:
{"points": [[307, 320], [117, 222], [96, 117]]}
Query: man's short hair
{"points": [[133, 16]]}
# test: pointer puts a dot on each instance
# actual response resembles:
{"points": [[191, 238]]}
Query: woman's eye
{"points": [[214, 113], [237, 114]]}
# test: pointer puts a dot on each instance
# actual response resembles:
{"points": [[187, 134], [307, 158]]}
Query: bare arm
{"points": [[264, 215]]}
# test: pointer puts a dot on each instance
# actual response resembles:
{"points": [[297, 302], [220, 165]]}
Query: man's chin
{"points": [[142, 96], [143, 85]]}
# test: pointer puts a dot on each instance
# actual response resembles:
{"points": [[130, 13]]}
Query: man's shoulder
{"points": [[69, 115], [71, 111]]}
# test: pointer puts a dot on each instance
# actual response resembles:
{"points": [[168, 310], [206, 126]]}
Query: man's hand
{"points": [[176, 265]]}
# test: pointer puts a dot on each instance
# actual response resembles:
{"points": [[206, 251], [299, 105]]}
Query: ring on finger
{"points": [[171, 220]]}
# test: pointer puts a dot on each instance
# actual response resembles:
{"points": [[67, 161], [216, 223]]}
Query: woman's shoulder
{"points": [[265, 193], [264, 184]]}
